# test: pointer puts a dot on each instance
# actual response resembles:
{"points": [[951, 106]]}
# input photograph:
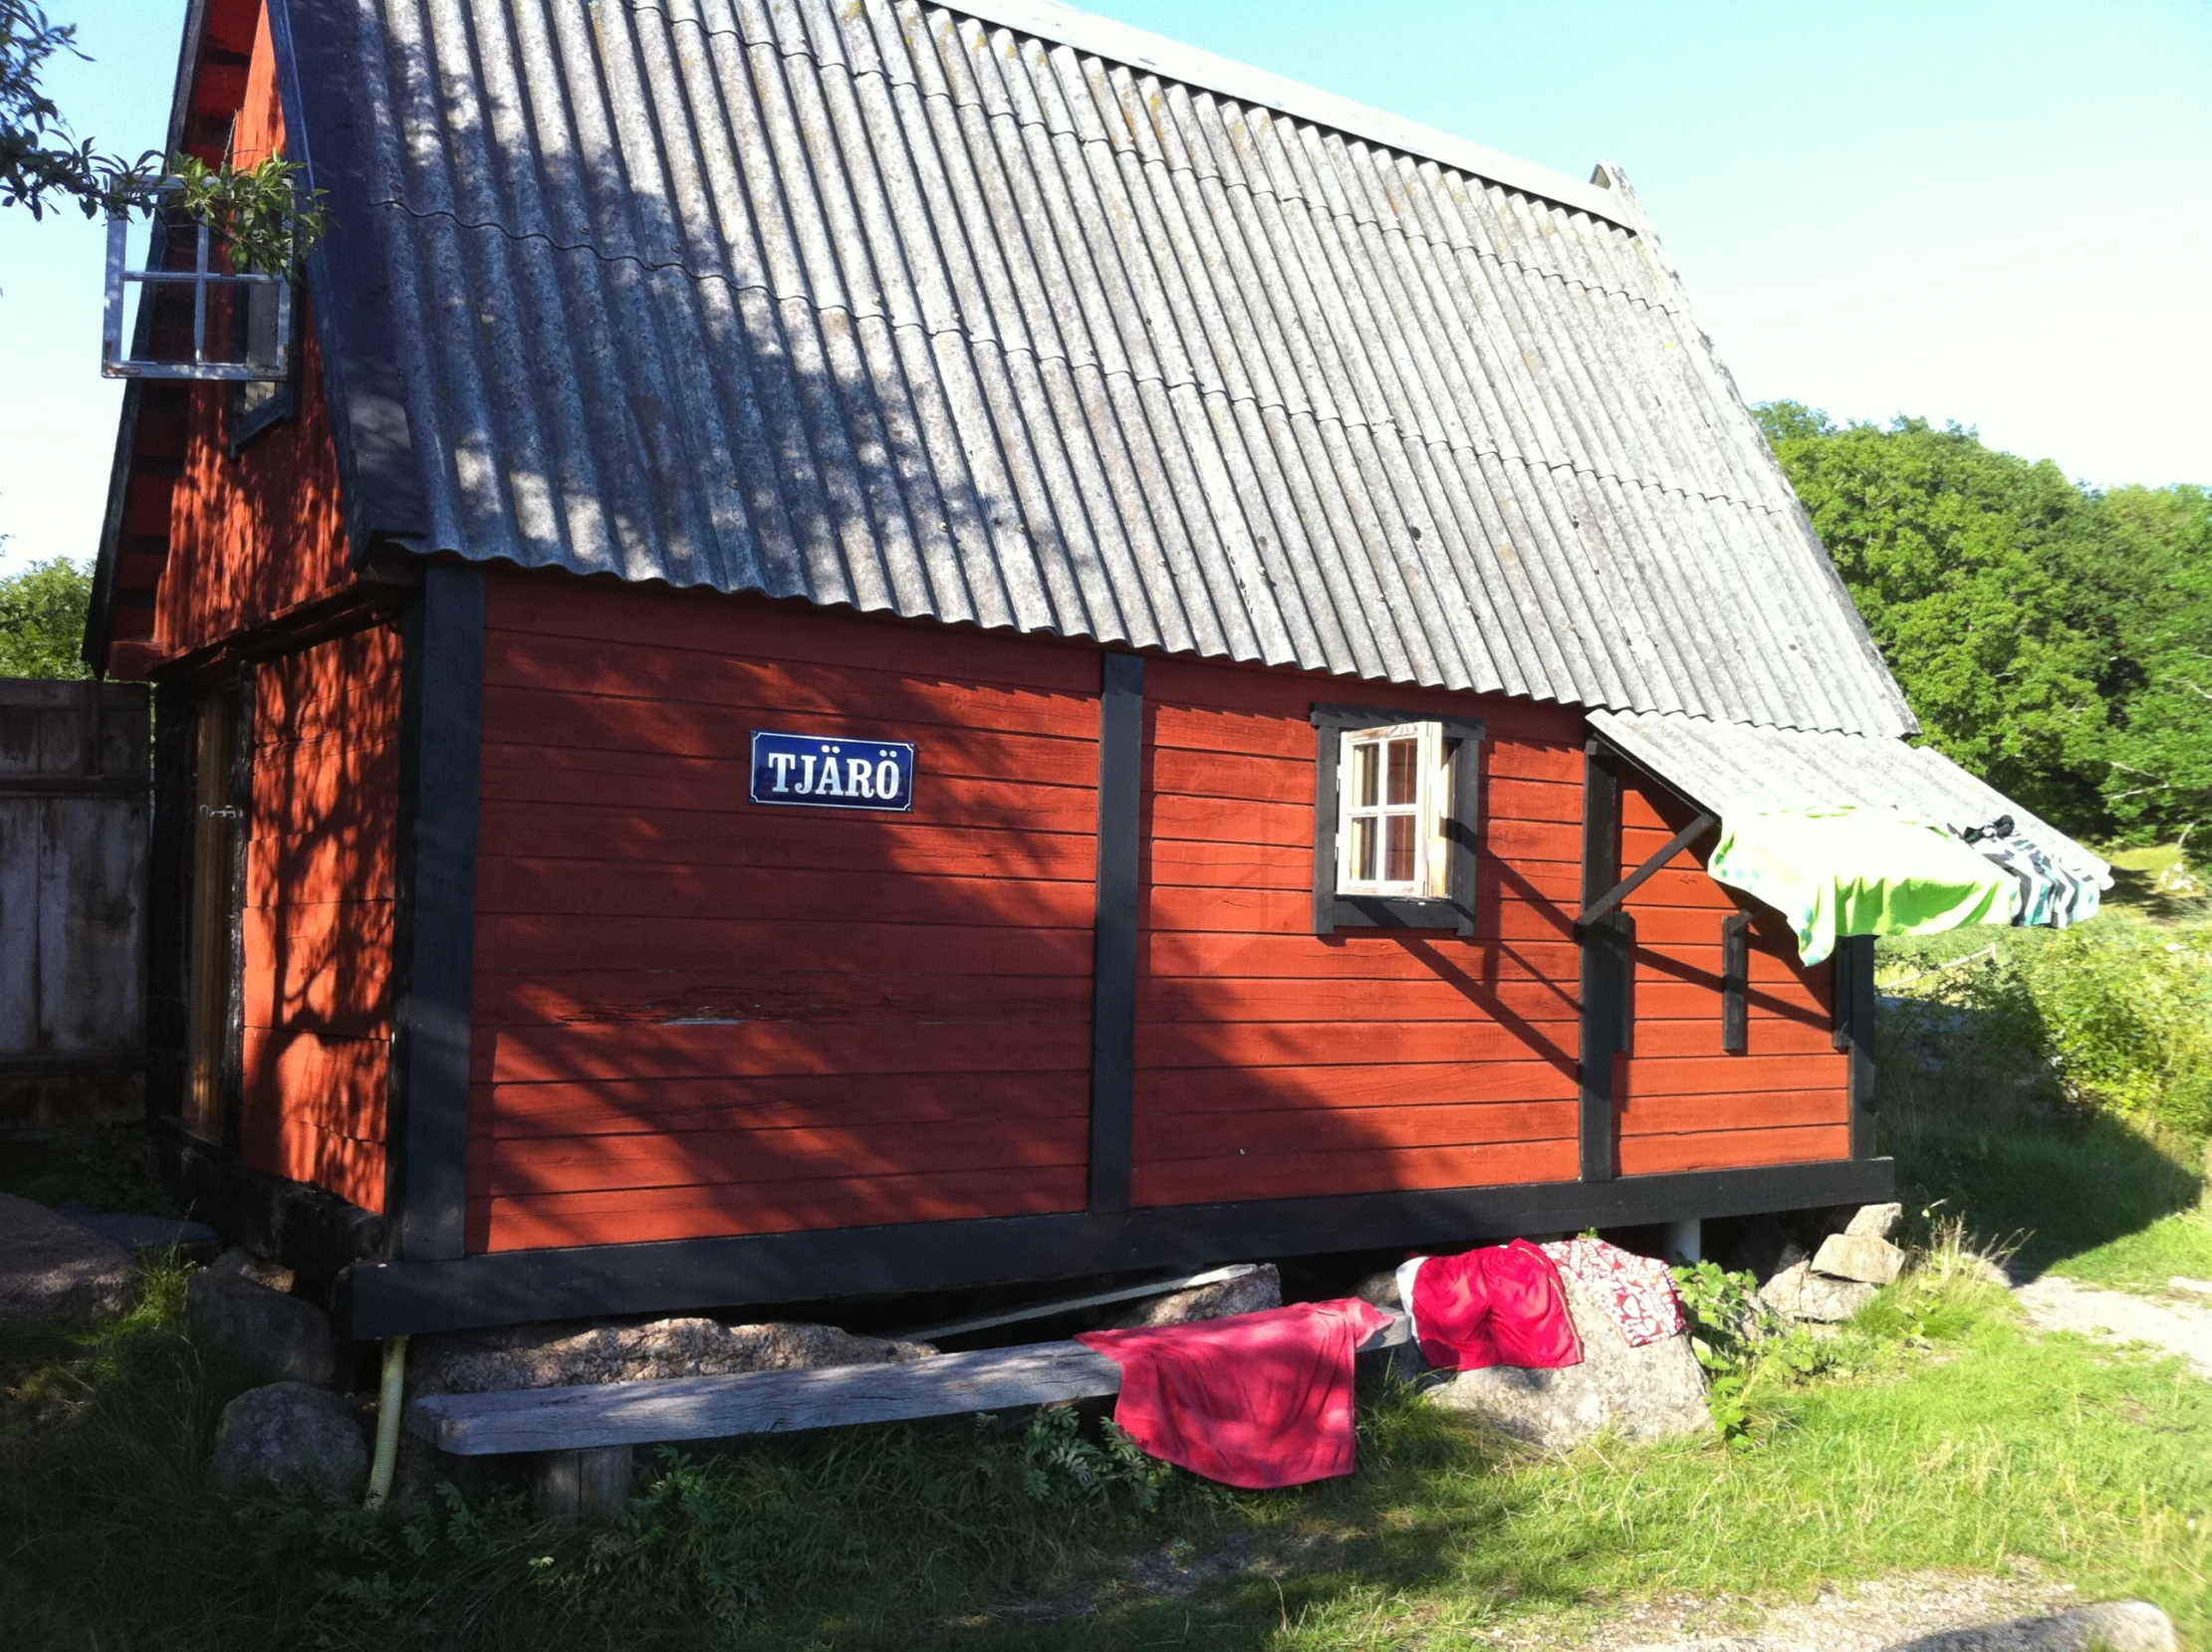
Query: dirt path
{"points": [[2057, 1304]]}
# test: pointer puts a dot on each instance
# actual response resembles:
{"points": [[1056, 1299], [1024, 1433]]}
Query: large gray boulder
{"points": [[1798, 1293], [140, 1232], [53, 1269], [1655, 1392], [290, 1434], [1251, 1293], [280, 1337], [569, 1354], [1876, 1221], [1859, 1256]]}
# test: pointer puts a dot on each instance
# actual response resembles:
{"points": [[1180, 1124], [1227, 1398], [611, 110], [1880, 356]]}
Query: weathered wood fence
{"points": [[73, 800]]}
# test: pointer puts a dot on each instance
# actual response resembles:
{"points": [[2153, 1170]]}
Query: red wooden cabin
{"points": [[1131, 434]]}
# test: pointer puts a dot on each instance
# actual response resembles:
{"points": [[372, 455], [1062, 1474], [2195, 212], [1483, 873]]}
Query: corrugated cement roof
{"points": [[1734, 770], [1045, 322]]}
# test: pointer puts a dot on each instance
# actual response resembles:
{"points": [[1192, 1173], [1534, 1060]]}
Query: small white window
{"points": [[1393, 794]]}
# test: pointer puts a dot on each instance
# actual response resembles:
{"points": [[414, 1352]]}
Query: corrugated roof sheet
{"points": [[1735, 770], [880, 303]]}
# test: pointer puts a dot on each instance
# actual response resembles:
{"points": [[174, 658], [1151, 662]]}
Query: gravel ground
{"points": [[1864, 1617], [2185, 1329]]}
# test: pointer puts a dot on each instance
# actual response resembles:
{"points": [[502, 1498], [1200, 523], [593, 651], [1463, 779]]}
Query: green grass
{"points": [[1942, 1436]]}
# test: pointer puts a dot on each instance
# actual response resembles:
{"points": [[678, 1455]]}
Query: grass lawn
{"points": [[1971, 1448]]}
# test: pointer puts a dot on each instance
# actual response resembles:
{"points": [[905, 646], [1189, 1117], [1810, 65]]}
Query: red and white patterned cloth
{"points": [[1638, 1291]]}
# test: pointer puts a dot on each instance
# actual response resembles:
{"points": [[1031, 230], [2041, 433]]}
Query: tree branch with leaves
{"points": [[257, 212]]}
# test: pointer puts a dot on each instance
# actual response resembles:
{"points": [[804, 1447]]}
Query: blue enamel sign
{"points": [[824, 770]]}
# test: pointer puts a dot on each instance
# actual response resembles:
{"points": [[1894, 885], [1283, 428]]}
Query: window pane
{"points": [[1363, 776], [1399, 848], [1362, 849], [1404, 769]]}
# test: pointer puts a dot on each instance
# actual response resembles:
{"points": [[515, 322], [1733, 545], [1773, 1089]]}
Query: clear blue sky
{"points": [[1994, 211]]}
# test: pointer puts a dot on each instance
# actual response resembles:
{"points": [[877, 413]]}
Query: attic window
{"points": [[197, 317], [1394, 821]]}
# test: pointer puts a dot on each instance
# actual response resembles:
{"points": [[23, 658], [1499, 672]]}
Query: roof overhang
{"points": [[1737, 770]]}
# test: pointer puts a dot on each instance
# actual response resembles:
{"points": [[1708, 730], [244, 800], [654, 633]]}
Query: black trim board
{"points": [[522, 1286], [1607, 963], [1115, 934], [1852, 981], [327, 128], [441, 726]]}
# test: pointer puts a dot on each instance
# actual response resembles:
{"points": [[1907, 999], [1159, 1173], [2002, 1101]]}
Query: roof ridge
{"points": [[1140, 49]]}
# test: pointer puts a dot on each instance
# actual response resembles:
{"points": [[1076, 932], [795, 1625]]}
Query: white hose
{"points": [[391, 1401]]}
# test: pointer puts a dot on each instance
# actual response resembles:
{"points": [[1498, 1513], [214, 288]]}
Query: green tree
{"points": [[257, 210], [41, 159], [42, 620], [2053, 638]]}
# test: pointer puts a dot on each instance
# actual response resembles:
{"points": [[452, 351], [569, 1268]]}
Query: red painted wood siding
{"points": [[1276, 1063], [255, 535], [1684, 1105], [699, 1016], [319, 881]]}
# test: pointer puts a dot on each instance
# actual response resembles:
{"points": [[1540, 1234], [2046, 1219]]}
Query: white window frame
{"points": [[270, 357], [1429, 810]]}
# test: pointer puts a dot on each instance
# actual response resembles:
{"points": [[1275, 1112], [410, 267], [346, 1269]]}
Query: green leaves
{"points": [[42, 620], [255, 212], [40, 158], [2054, 639]]}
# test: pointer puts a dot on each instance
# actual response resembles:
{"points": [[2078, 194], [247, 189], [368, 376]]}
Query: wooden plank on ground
{"points": [[773, 1402]]}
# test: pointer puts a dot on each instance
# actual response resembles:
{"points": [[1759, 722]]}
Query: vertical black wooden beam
{"points": [[1114, 959], [1852, 964], [1735, 982], [1604, 981], [442, 738], [1329, 745]]}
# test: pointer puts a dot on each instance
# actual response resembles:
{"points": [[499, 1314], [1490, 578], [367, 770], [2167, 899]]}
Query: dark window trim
{"points": [[1462, 828], [282, 408]]}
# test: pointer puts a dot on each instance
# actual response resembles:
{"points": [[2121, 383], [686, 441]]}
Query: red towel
{"points": [[1500, 1306], [1254, 1400]]}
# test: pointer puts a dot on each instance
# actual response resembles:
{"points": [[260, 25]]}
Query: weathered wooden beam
{"points": [[624, 1414], [571, 1485]]}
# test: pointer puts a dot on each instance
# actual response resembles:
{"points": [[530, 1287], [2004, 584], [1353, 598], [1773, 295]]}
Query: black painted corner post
{"points": [[1114, 959], [442, 738], [1607, 955], [1852, 964]]}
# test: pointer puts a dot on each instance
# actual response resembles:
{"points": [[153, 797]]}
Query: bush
{"points": [[2126, 1020], [2115, 1018]]}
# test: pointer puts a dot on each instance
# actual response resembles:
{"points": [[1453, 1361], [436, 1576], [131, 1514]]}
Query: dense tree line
{"points": [[2055, 639]]}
